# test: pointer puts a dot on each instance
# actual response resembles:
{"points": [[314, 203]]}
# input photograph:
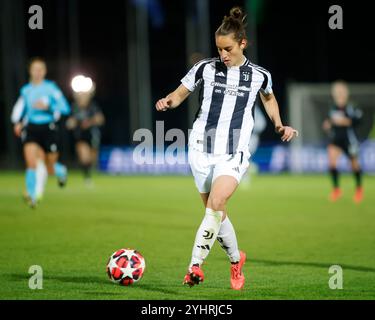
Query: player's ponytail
{"points": [[233, 24]]}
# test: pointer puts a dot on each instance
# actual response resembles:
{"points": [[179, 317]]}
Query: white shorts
{"points": [[207, 167]]}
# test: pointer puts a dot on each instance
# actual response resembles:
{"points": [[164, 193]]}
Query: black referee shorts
{"points": [[45, 135]]}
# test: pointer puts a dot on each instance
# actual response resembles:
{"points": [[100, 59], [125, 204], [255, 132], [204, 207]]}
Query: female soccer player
{"points": [[340, 127], [219, 141], [85, 123], [40, 105]]}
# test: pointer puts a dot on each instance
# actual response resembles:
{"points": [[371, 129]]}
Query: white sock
{"points": [[41, 178], [228, 240], [206, 236]]}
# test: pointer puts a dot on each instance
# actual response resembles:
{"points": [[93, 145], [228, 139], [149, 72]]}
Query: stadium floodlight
{"points": [[81, 83]]}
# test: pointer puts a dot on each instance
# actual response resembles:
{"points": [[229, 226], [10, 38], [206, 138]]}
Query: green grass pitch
{"points": [[292, 235]]}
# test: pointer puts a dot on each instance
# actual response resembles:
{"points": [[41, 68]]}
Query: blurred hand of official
{"points": [[17, 129], [287, 133]]}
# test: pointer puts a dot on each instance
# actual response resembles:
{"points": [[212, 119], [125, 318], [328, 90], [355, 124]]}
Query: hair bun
{"points": [[233, 24], [236, 13]]}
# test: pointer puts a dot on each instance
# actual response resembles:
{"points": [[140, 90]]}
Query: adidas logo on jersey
{"points": [[220, 74]]}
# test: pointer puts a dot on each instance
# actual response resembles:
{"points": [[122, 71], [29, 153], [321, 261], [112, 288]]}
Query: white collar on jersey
{"points": [[245, 60]]}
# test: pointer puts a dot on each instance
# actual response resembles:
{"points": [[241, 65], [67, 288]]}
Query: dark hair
{"points": [[36, 59], [234, 23]]}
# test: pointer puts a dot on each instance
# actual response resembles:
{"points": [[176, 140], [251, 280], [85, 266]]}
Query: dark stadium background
{"points": [[284, 220], [293, 42]]}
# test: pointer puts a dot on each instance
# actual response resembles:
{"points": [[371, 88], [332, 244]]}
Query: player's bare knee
{"points": [[30, 162], [217, 202]]}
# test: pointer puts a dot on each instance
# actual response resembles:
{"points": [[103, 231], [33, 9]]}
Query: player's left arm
{"points": [[356, 116], [98, 118], [60, 105], [272, 108]]}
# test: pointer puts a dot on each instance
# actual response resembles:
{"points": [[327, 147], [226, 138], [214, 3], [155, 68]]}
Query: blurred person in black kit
{"points": [[85, 122], [342, 120]]}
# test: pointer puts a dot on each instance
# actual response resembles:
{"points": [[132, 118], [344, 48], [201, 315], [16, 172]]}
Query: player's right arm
{"points": [[18, 113], [188, 84], [173, 100], [327, 125]]}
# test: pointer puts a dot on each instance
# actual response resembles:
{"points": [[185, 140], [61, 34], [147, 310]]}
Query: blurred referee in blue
{"points": [[40, 105]]}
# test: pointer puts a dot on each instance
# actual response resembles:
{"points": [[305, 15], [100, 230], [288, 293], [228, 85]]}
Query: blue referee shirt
{"points": [[47, 92]]}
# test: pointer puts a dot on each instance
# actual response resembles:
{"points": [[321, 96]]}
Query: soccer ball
{"points": [[126, 266]]}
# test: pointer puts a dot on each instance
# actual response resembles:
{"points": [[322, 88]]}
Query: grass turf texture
{"points": [[292, 235]]}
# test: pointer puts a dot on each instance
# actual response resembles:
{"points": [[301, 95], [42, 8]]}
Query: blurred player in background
{"points": [[40, 105], [342, 138], [219, 141], [86, 120]]}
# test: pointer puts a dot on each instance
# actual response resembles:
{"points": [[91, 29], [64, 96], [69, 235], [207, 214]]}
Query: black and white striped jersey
{"points": [[227, 96]]}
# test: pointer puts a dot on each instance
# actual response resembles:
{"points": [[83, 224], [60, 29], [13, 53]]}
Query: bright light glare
{"points": [[82, 84]]}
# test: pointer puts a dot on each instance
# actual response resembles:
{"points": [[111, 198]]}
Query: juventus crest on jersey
{"points": [[227, 96]]}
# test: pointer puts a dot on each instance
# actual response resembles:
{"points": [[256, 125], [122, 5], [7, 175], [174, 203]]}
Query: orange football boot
{"points": [[358, 196], [237, 278], [194, 276], [335, 194]]}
